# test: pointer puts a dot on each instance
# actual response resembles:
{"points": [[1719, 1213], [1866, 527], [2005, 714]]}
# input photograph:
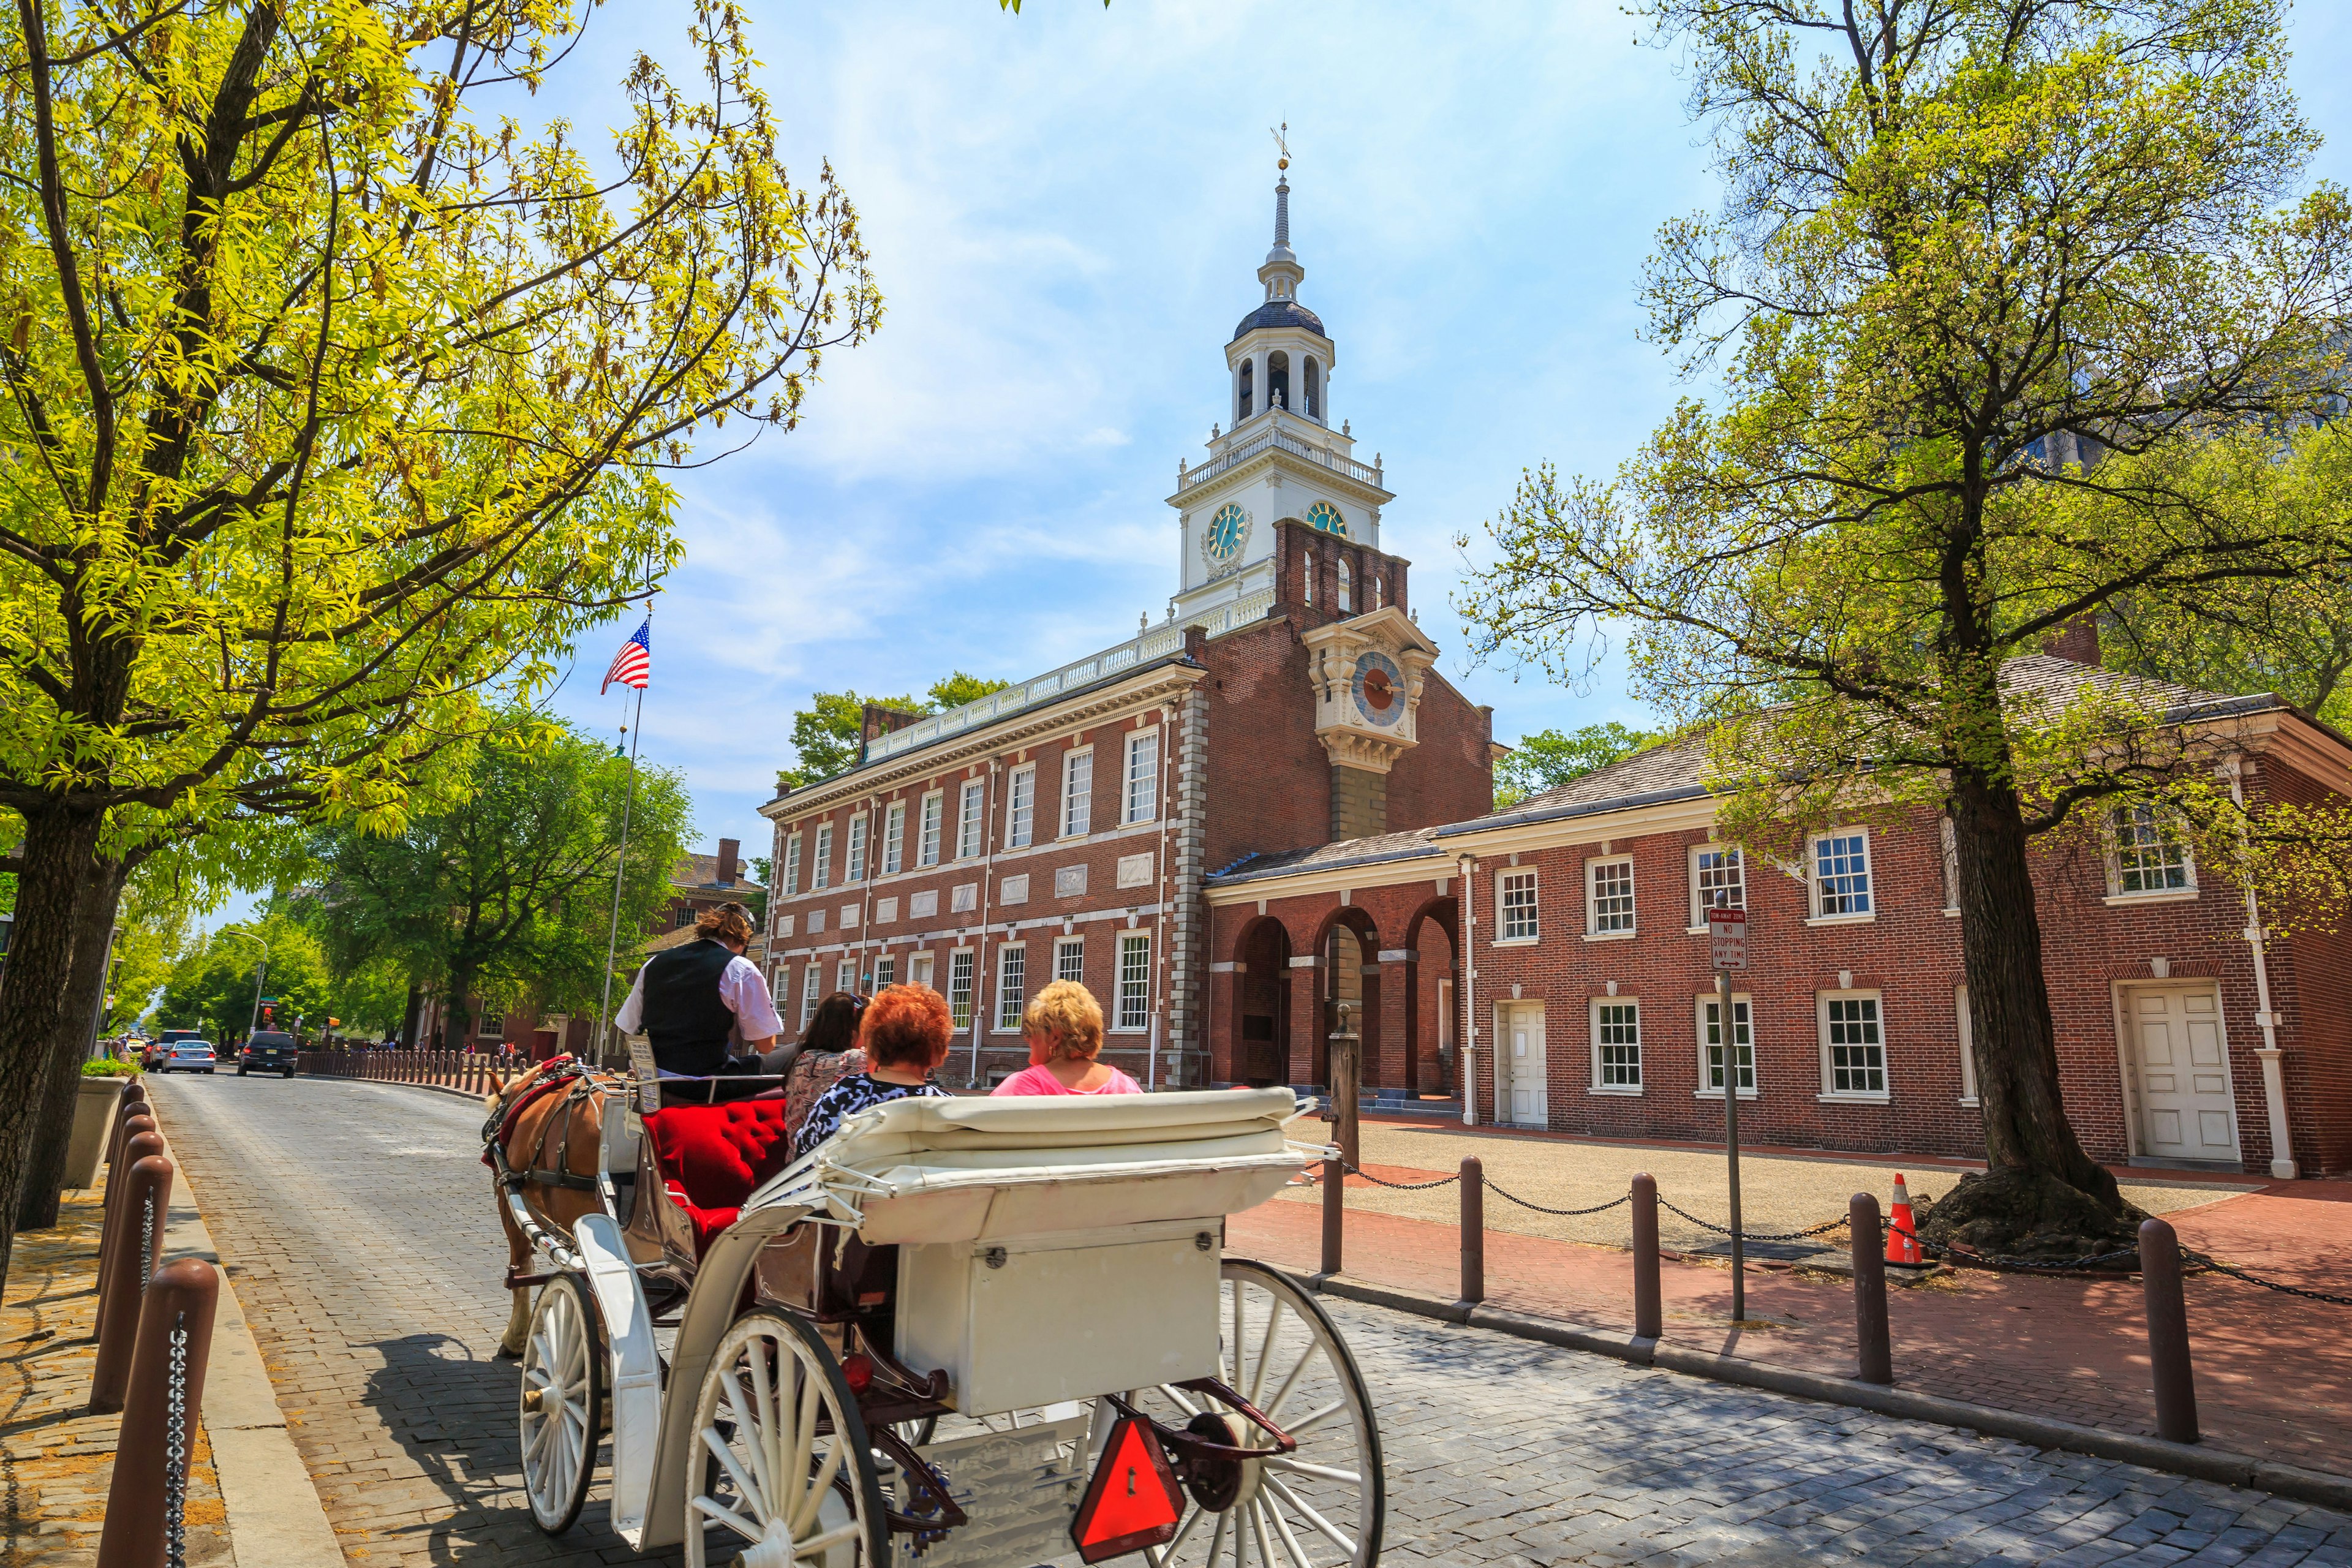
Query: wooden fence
{"points": [[469, 1070]]}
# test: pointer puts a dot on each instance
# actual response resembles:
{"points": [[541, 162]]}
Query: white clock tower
{"points": [[1279, 459]]}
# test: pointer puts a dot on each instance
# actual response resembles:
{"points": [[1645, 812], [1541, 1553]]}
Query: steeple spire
{"points": [[1281, 251]]}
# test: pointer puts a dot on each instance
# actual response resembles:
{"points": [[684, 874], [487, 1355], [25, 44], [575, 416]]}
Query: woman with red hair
{"points": [[905, 1032]]}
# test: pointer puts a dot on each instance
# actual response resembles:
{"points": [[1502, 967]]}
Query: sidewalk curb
{"points": [[275, 1517], [2193, 1460]]}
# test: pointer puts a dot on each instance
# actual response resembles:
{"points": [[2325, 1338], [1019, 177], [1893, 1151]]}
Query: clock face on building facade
{"points": [[1378, 688], [1325, 517], [1226, 533]]}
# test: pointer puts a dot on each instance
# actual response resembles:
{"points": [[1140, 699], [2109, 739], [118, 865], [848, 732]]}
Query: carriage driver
{"points": [[693, 1000]]}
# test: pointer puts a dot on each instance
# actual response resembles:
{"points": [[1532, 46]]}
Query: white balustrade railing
{"points": [[1157, 642], [1242, 453]]}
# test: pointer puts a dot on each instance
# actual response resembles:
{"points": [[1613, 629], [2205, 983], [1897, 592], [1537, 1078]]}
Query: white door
{"points": [[2186, 1111], [919, 969], [1523, 1063]]}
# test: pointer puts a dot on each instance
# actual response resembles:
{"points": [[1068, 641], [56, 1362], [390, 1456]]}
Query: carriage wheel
{"points": [[787, 1475], [562, 1393], [1321, 1507]]}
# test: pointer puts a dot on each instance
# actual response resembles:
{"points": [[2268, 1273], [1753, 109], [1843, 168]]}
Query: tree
{"points": [[151, 934], [214, 987], [339, 398], [1959, 245], [1550, 758], [826, 735], [505, 891]]}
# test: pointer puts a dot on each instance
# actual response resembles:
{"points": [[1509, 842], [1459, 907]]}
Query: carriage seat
{"points": [[712, 1157]]}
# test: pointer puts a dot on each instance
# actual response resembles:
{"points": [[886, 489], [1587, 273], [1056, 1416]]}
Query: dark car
{"points": [[268, 1050]]}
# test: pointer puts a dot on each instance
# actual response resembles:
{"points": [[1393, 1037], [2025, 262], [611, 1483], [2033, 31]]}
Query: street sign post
{"points": [[1727, 934]]}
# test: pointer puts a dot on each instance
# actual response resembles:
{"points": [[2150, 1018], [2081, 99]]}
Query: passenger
{"points": [[827, 1053], [1063, 1025], [905, 1032]]}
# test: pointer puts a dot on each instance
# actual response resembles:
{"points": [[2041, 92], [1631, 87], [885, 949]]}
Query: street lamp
{"points": [[260, 972]]}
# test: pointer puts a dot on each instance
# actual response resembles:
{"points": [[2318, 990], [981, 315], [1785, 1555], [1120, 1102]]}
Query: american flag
{"points": [[634, 663]]}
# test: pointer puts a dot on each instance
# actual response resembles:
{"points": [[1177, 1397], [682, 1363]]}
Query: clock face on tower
{"points": [[1378, 688], [1226, 533], [1325, 517]]}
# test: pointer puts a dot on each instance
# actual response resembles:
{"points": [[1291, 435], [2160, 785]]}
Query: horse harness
{"points": [[583, 1081]]}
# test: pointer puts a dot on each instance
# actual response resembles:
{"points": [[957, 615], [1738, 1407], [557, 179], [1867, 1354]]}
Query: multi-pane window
{"points": [[845, 975], [792, 883], [1019, 807], [1142, 776], [821, 863], [1070, 960], [1710, 1015], [810, 980], [1855, 1054], [2148, 859], [1718, 881], [1842, 874], [968, 819], [1612, 895], [779, 987], [927, 836], [1077, 792], [1134, 980], [1516, 897], [894, 839], [492, 1022], [959, 988], [854, 871], [1011, 983], [1617, 1043], [886, 971]]}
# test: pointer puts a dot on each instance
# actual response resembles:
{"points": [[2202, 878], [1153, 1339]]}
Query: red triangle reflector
{"points": [[1133, 1500]]}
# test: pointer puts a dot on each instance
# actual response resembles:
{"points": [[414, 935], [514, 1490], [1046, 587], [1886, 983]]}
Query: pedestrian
{"points": [[1063, 1026]]}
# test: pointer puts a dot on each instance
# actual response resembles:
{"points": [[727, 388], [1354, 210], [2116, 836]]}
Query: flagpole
{"points": [[619, 868]]}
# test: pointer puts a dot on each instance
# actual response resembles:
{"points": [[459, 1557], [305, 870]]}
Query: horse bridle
{"points": [[584, 1081]]}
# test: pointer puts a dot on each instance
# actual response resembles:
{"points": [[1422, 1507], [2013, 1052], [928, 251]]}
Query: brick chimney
{"points": [[874, 721], [729, 851], [2077, 639]]}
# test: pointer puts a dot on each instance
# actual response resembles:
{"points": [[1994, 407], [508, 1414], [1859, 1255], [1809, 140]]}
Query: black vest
{"points": [[684, 1015]]}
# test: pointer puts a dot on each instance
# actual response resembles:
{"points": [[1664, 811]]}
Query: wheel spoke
{"points": [[1282, 1394], [1176, 1397], [1184, 1529], [1329, 1530], [1265, 1348], [1306, 1424], [804, 1512], [1259, 1531], [748, 1529], [725, 1458], [761, 1504], [816, 1544], [1282, 1527], [1290, 1464], [766, 1409]]}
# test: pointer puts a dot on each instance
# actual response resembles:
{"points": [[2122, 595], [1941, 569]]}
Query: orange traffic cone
{"points": [[1902, 1232]]}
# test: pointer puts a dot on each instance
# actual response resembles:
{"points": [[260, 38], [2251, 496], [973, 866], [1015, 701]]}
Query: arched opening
{"points": [[1261, 1030], [1307, 582], [1430, 1050], [1350, 950], [1278, 380], [1246, 390], [1374, 579], [1345, 600], [1314, 389]]}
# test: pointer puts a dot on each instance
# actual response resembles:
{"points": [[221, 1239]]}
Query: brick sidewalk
{"points": [[56, 1459], [2274, 1373]]}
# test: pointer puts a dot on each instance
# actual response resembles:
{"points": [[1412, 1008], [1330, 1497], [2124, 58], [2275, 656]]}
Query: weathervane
{"points": [[1281, 141]]}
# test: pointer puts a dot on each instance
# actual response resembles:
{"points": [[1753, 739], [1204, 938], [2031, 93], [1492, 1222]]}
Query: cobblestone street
{"points": [[357, 1224]]}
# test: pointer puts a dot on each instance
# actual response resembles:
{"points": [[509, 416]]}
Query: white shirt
{"points": [[740, 986]]}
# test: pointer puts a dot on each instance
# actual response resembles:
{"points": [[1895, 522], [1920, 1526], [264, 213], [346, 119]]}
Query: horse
{"points": [[547, 1149]]}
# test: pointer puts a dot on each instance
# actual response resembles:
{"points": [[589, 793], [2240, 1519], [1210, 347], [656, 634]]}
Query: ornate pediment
{"points": [[1366, 673]]}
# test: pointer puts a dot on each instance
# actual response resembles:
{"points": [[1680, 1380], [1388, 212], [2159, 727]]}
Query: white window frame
{"points": [[1140, 801], [845, 975], [1822, 1008], [962, 966], [854, 855], [930, 825], [894, 839], [1070, 958], [972, 819], [1593, 1025], [1519, 920], [490, 1021], [886, 971], [779, 987], [1012, 985], [821, 858], [810, 980], [1020, 807], [2152, 821], [1817, 887], [1966, 1023], [1702, 898], [1593, 912], [1743, 1040], [792, 878], [1078, 814], [1131, 1010]]}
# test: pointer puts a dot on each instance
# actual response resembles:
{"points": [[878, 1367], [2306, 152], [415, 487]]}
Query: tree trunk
{"points": [[411, 1020], [2025, 1125], [59, 842], [85, 1000]]}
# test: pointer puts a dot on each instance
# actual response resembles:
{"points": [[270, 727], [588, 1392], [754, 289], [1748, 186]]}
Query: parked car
{"points": [[272, 1050], [153, 1053], [188, 1056]]}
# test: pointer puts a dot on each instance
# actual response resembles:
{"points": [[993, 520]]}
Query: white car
{"points": [[188, 1056]]}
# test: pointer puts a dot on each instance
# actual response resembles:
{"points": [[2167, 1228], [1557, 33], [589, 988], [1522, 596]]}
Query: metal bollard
{"points": [[143, 1145], [127, 1126], [2168, 1333], [1873, 1345], [146, 1503], [1474, 1231], [1334, 1207], [1649, 1313], [133, 1103], [123, 1271]]}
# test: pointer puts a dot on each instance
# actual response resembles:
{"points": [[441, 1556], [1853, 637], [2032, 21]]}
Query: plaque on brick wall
{"points": [[885, 910], [1013, 889], [1070, 882], [919, 905], [816, 921], [1134, 870], [784, 925], [848, 916], [963, 898]]}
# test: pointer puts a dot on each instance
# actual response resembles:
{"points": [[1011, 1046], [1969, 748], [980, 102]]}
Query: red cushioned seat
{"points": [[713, 1157]]}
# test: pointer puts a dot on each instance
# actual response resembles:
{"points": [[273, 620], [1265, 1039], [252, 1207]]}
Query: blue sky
{"points": [[1066, 210]]}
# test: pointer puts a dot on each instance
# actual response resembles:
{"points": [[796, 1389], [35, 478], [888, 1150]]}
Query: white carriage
{"points": [[961, 1332]]}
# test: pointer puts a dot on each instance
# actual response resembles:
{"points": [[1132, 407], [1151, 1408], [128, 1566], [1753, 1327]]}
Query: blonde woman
{"points": [[1063, 1025]]}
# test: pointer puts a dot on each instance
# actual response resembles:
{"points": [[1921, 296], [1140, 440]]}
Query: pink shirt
{"points": [[1039, 1080]]}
